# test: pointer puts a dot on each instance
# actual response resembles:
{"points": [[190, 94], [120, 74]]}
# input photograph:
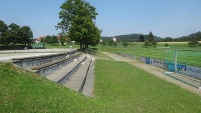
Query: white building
{"points": [[114, 39]]}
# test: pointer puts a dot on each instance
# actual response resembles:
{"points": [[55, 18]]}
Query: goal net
{"points": [[187, 63]]}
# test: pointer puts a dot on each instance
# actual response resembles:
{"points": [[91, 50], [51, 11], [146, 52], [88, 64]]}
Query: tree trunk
{"points": [[80, 45], [86, 46]]}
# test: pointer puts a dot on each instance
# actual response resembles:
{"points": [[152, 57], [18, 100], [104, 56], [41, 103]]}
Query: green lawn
{"points": [[190, 58], [119, 87], [124, 88]]}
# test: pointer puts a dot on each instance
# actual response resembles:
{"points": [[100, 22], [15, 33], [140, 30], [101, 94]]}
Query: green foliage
{"points": [[15, 34], [154, 42], [63, 38], [125, 43], [131, 38], [26, 35], [168, 39], [77, 20], [193, 40], [112, 43], [147, 43], [54, 40], [166, 44], [150, 37], [141, 38], [51, 39]]}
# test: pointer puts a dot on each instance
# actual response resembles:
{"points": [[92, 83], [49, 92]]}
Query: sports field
{"points": [[159, 52]]}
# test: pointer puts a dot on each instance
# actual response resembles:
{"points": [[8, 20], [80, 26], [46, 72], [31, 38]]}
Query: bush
{"points": [[166, 44]]}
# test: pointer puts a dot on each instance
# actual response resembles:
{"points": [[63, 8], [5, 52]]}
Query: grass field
{"points": [[188, 58], [124, 88], [152, 52], [119, 88]]}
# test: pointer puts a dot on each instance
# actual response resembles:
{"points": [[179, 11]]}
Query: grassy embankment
{"points": [[22, 92], [119, 87]]}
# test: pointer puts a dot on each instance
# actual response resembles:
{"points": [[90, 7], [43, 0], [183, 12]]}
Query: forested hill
{"points": [[188, 37], [129, 37], [135, 37]]}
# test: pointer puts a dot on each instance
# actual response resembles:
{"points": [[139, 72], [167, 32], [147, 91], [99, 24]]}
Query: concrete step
{"points": [[48, 68], [89, 83], [77, 80], [28, 62], [61, 75]]}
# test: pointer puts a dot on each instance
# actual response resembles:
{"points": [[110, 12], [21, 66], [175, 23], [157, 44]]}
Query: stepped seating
{"points": [[73, 70], [28, 62], [48, 68], [77, 81], [60, 76], [89, 82]]}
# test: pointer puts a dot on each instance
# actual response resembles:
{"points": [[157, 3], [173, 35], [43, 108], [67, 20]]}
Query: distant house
{"points": [[114, 39], [38, 40]]}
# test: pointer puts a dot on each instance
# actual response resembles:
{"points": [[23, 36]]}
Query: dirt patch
{"points": [[155, 71]]}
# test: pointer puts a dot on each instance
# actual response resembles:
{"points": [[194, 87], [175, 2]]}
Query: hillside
{"points": [[129, 37]]}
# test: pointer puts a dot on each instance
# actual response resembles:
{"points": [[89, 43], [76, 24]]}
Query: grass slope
{"points": [[124, 88], [22, 91]]}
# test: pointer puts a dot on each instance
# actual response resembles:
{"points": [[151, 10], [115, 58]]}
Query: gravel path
{"points": [[155, 71]]}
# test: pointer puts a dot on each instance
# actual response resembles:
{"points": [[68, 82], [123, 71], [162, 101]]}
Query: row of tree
{"points": [[14, 34], [192, 39], [183, 38]]}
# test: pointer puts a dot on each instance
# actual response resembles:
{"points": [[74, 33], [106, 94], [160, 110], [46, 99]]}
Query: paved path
{"points": [[155, 71], [9, 54]]}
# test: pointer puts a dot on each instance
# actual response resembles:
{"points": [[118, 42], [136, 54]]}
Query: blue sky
{"points": [[165, 18]]}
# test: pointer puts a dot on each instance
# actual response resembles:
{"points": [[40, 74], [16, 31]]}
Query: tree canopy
{"points": [[77, 18], [14, 34], [193, 40]]}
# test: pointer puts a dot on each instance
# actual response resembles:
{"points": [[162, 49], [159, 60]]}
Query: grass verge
{"points": [[125, 88]]}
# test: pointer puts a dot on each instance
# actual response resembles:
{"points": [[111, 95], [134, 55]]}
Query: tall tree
{"points": [[14, 33], [77, 20], [3, 33], [150, 37], [141, 38], [26, 35]]}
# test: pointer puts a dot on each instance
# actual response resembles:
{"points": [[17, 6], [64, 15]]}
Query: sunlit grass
{"points": [[124, 88]]}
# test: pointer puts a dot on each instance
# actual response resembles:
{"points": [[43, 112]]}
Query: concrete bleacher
{"points": [[70, 69]]}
